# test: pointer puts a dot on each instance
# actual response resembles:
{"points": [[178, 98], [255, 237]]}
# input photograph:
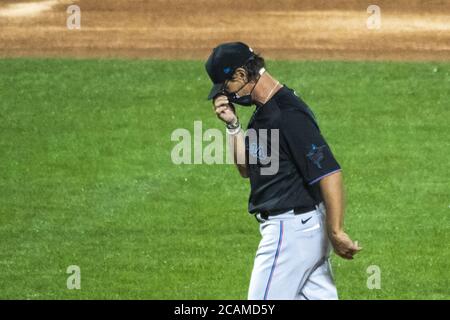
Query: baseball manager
{"points": [[300, 207]]}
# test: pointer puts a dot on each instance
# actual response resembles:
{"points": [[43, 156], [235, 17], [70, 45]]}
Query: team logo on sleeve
{"points": [[316, 155]]}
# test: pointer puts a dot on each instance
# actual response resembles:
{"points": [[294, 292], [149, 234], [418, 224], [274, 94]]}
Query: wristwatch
{"points": [[233, 129], [233, 126]]}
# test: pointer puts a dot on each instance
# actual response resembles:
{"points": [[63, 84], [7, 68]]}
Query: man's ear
{"points": [[241, 74]]}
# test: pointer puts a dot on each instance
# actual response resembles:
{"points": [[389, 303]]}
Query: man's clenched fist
{"points": [[224, 110]]}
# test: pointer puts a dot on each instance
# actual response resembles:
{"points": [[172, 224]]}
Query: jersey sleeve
{"points": [[307, 147]]}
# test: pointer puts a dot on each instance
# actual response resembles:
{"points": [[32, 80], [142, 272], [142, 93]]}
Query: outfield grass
{"points": [[87, 179]]}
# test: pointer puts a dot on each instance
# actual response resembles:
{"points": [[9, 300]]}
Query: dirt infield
{"points": [[311, 29]]}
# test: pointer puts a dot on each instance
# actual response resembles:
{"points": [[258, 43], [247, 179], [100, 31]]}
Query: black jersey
{"points": [[303, 155]]}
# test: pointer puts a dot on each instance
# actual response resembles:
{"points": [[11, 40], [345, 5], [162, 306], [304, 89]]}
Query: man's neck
{"points": [[265, 89]]}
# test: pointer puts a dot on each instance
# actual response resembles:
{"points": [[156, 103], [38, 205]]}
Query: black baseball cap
{"points": [[223, 61]]}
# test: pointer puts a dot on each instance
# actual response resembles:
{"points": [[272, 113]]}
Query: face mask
{"points": [[246, 100]]}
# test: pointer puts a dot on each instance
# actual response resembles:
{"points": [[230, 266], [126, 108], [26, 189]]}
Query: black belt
{"points": [[299, 210]]}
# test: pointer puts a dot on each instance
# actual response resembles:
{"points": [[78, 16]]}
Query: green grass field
{"points": [[86, 179]]}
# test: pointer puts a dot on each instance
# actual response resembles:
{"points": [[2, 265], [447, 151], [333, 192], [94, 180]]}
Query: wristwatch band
{"points": [[233, 126]]}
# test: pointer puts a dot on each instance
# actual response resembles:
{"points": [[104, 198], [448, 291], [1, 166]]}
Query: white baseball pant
{"points": [[292, 260]]}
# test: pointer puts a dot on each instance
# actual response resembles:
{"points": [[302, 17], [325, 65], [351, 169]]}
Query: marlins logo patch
{"points": [[316, 155], [258, 151]]}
